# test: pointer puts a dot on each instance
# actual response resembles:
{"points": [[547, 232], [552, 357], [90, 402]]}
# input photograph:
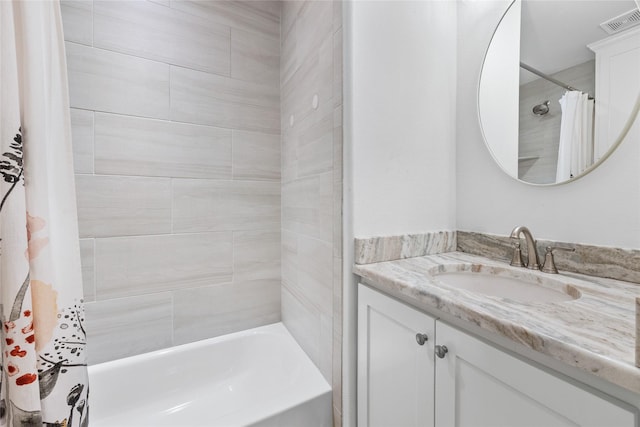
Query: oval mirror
{"points": [[560, 86]]}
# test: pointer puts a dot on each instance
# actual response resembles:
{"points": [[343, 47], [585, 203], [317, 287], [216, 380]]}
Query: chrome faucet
{"points": [[532, 253]]}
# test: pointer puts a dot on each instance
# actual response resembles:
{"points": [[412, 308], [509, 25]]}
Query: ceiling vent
{"points": [[622, 22]]}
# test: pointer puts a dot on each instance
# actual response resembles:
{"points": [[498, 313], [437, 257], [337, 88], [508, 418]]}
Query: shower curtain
{"points": [[575, 151], [44, 378]]}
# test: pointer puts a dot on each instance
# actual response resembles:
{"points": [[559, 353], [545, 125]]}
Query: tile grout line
{"points": [[180, 122]]}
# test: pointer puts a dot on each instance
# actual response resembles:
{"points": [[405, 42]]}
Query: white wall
{"points": [[602, 208], [403, 116], [399, 129]]}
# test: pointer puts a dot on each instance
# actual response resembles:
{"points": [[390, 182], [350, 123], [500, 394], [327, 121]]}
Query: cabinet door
{"points": [[395, 372], [479, 385]]}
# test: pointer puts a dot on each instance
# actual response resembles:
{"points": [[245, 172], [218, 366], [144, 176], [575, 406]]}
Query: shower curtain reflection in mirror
{"points": [[575, 148], [547, 116]]}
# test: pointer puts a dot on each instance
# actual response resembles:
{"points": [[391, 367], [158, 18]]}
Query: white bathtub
{"points": [[258, 377]]}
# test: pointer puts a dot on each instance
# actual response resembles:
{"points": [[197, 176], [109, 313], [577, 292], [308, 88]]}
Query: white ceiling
{"points": [[555, 33]]}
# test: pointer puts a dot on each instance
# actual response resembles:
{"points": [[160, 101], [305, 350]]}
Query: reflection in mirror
{"points": [[558, 85]]}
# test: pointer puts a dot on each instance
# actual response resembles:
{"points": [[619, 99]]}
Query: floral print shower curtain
{"points": [[43, 371]]}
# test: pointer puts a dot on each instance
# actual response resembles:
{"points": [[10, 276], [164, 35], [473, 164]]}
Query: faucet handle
{"points": [[516, 259], [549, 265]]}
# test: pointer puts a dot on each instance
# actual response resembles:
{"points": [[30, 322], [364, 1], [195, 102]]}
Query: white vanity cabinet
{"points": [[479, 385], [401, 383], [395, 363]]}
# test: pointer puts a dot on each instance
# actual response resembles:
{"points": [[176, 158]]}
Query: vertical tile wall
{"points": [[176, 132], [311, 110]]}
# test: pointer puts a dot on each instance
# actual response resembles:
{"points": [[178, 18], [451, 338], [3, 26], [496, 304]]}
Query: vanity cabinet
{"points": [[480, 385], [402, 383], [395, 363]]}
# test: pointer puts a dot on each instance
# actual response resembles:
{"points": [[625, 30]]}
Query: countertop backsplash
{"points": [[390, 248], [599, 261]]}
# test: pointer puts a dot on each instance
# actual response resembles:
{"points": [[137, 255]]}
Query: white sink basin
{"points": [[500, 283]]}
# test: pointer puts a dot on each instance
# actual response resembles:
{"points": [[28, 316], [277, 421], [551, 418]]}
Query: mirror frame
{"points": [[635, 111]]}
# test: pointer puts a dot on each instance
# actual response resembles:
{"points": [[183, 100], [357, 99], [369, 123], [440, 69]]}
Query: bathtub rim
{"points": [[318, 385]]}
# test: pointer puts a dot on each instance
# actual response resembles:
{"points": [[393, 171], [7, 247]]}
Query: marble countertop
{"points": [[595, 332]]}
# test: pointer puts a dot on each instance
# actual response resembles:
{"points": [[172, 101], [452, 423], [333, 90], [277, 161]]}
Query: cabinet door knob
{"points": [[421, 339], [441, 351]]}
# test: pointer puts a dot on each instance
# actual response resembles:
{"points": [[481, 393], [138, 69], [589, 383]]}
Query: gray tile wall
{"points": [[311, 110], [176, 135]]}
